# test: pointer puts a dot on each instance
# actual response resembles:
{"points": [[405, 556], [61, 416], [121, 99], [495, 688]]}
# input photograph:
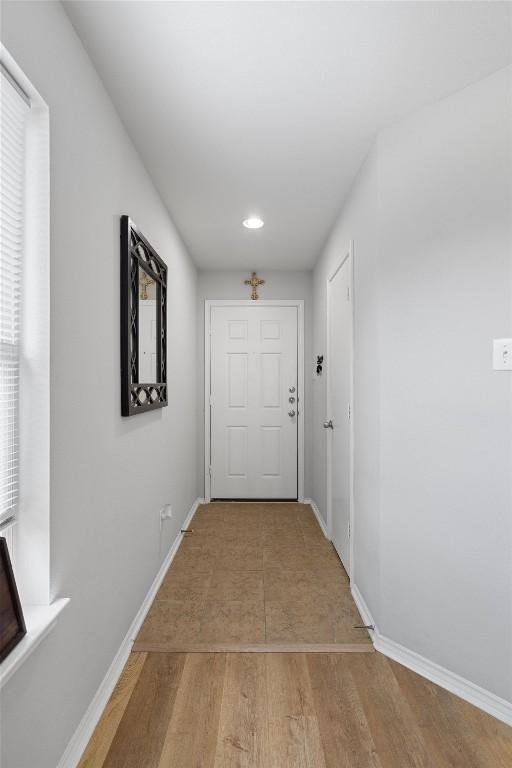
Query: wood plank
{"points": [[346, 736], [101, 740], [393, 727], [168, 647], [192, 732], [434, 712], [293, 732], [243, 732], [139, 739], [488, 740]]}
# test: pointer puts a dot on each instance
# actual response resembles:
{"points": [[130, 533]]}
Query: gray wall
{"points": [[229, 284], [430, 215], [109, 476]]}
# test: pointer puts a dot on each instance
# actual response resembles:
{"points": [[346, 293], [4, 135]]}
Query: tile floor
{"points": [[253, 574]]}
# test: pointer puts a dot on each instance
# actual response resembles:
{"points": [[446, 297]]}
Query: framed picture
{"points": [[143, 323], [12, 623]]}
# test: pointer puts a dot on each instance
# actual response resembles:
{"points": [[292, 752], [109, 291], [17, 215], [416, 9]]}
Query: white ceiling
{"points": [[269, 108]]}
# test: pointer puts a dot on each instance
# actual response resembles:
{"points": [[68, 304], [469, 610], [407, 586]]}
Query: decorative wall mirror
{"points": [[143, 323]]}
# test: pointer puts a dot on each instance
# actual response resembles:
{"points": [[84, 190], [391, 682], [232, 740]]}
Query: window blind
{"points": [[13, 118]]}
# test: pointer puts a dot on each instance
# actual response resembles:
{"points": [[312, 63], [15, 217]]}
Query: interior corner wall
{"points": [[109, 475], [279, 284], [431, 218]]}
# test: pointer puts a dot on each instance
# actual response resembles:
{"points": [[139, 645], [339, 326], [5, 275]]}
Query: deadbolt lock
{"points": [[291, 399]]}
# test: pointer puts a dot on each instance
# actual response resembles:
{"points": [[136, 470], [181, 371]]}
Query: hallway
{"points": [[260, 253]]}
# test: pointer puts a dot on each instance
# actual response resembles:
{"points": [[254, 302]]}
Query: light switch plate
{"points": [[502, 355]]}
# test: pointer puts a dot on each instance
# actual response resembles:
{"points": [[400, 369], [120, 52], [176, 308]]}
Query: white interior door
{"points": [[253, 402], [339, 394]]}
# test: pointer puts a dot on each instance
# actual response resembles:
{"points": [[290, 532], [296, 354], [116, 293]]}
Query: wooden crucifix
{"points": [[144, 281], [254, 282]]}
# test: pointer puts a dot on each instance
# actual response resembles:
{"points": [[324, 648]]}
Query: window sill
{"points": [[40, 620]]}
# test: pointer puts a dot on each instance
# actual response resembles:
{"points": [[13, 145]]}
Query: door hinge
{"points": [[349, 530], [211, 403], [349, 411], [210, 470], [348, 293]]}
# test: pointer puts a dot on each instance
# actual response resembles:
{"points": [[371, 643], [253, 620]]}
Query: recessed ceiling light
{"points": [[253, 222]]}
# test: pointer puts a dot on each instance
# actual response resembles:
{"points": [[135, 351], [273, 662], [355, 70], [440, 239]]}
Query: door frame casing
{"points": [[208, 306], [348, 255]]}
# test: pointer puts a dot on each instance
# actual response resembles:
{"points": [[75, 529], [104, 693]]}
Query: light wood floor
{"points": [[254, 577], [178, 710]]}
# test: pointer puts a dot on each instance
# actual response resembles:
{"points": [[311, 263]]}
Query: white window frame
{"points": [[15, 108], [31, 532]]}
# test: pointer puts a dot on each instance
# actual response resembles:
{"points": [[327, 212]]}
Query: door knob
{"points": [[291, 413], [328, 424]]}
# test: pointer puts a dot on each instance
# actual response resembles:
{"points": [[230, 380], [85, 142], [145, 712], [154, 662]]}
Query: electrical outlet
{"points": [[165, 514]]}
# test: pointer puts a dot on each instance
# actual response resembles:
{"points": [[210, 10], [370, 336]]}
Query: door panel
{"points": [[339, 372], [237, 380], [270, 449], [237, 330], [253, 366], [236, 451], [270, 371]]}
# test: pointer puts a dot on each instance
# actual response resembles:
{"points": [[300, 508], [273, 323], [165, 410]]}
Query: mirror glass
{"points": [[148, 350]]}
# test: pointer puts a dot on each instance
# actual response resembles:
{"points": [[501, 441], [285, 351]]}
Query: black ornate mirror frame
{"points": [[136, 396]]}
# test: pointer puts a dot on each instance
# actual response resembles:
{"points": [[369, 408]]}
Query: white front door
{"points": [[339, 373], [254, 402]]}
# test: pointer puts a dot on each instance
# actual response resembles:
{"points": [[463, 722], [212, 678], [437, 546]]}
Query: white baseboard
{"points": [[318, 517], [474, 694], [83, 733], [465, 689], [363, 610]]}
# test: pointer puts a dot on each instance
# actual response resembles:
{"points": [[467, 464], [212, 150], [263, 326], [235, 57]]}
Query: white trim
{"points": [[348, 255], [481, 698], [32, 539], [318, 516], [207, 390], [299, 303], [39, 620], [450, 681], [301, 410], [363, 609], [83, 733]]}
